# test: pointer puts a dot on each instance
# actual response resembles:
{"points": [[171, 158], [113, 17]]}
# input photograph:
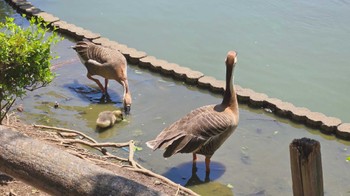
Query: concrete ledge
{"points": [[132, 55], [327, 125], [28, 9], [111, 44], [180, 72], [206, 81], [314, 119], [299, 114], [243, 94], [257, 100], [284, 109], [146, 62], [49, 18], [168, 68], [156, 64], [17, 3], [192, 77], [218, 86], [343, 131]]}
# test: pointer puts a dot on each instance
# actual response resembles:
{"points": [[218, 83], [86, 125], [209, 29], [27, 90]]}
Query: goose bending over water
{"points": [[204, 129], [105, 62]]}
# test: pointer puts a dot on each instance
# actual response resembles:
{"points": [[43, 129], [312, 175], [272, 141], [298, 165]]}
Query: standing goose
{"points": [[105, 62], [204, 129]]}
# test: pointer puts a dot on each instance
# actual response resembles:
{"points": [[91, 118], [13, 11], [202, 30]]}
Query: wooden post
{"points": [[306, 167]]}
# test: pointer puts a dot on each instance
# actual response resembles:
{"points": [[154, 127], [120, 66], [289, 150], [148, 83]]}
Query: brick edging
{"points": [[327, 125]]}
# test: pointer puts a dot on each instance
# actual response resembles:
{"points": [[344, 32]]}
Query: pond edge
{"points": [[327, 125]]}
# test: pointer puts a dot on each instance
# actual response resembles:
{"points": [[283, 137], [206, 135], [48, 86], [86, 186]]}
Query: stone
{"points": [[315, 119], [192, 77], [145, 62], [284, 109], [102, 41], [329, 125], [31, 11], [68, 29], [124, 49], [343, 131], [205, 82], [180, 72], [218, 86], [90, 35], [271, 103], [257, 100], [61, 26], [157, 64], [18, 3], [298, 114], [168, 68], [79, 32], [135, 56], [49, 18], [22, 8], [243, 94]]}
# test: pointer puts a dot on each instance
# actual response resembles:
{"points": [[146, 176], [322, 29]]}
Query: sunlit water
{"points": [[293, 50], [253, 161]]}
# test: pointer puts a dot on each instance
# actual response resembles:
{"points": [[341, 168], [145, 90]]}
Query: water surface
{"points": [[294, 51], [253, 161]]}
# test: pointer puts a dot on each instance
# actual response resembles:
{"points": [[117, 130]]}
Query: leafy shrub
{"points": [[25, 59]]}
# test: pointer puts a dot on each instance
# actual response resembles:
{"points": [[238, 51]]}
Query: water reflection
{"points": [[93, 95], [193, 176], [194, 179]]}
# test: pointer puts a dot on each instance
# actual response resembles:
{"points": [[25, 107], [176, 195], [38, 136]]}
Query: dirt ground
{"points": [[10, 186]]}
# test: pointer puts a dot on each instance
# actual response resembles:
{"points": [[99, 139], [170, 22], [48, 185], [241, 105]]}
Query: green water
{"points": [[295, 51], [253, 161]]}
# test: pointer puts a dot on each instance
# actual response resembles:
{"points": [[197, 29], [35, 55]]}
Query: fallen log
{"points": [[58, 172]]}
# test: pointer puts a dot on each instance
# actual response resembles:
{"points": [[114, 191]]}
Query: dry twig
{"points": [[133, 165]]}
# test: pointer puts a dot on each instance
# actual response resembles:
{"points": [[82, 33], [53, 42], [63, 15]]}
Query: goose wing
{"points": [[192, 131], [89, 51]]}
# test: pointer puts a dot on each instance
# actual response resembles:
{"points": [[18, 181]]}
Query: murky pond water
{"points": [[294, 51], [253, 161]]}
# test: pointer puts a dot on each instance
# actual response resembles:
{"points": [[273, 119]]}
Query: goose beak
{"points": [[127, 109]]}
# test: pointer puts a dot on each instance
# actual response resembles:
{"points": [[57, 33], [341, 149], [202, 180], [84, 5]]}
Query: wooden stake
{"points": [[306, 167]]}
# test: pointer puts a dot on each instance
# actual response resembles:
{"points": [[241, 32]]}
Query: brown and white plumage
{"points": [[205, 129], [105, 62]]}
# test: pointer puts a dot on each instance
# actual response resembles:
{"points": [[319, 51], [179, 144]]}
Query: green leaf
{"points": [[137, 148], [25, 58]]}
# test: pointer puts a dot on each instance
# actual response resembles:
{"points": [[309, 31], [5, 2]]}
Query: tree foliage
{"points": [[25, 59]]}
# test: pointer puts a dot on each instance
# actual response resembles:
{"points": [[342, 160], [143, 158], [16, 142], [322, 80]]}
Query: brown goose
{"points": [[204, 129], [105, 62]]}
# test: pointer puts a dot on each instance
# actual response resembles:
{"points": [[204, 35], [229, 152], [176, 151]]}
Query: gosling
{"points": [[109, 118]]}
